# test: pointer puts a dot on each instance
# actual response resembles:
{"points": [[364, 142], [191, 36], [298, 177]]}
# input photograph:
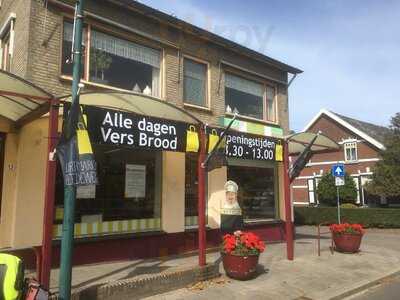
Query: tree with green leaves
{"points": [[327, 192], [386, 173]]}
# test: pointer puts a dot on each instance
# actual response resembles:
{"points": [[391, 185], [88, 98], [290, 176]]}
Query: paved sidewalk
{"points": [[308, 276]]}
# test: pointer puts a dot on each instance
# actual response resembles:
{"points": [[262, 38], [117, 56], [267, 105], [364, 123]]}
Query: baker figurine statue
{"points": [[231, 213]]}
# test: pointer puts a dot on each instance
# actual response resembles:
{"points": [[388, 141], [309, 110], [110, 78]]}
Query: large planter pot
{"points": [[240, 267], [347, 242]]}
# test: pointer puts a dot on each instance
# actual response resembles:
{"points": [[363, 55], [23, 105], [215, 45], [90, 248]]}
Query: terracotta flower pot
{"points": [[240, 267], [347, 242]]}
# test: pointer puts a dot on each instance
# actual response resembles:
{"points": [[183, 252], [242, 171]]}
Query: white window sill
{"points": [[102, 86], [203, 108], [349, 162]]}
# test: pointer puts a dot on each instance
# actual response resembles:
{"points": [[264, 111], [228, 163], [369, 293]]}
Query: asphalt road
{"points": [[388, 289]]}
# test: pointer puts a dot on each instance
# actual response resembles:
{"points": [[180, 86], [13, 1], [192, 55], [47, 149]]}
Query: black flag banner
{"points": [[75, 150], [302, 160], [216, 157]]}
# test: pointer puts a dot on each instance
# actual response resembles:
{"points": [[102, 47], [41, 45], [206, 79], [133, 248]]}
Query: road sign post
{"points": [[338, 172], [338, 204]]}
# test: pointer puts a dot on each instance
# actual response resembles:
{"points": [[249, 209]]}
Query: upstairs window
{"points": [[350, 151], [124, 64], [7, 43], [66, 66], [250, 98], [271, 103], [6, 55], [194, 82], [116, 62], [244, 97]]}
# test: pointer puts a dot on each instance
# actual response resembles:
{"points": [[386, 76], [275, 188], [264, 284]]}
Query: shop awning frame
{"points": [[297, 142], [20, 100], [136, 103]]}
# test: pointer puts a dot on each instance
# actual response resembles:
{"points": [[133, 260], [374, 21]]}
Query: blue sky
{"points": [[349, 50]]}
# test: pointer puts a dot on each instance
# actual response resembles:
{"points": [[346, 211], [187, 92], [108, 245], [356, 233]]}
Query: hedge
{"points": [[368, 217]]}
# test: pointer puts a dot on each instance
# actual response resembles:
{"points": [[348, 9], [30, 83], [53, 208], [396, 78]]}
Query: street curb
{"points": [[365, 286]]}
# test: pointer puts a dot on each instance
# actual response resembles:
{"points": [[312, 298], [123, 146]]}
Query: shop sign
{"points": [[113, 127], [248, 146]]}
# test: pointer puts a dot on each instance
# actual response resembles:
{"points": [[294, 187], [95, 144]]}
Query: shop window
{"points": [[191, 189], [116, 62], [128, 195], [256, 195], [195, 82], [244, 97], [2, 150], [350, 151]]}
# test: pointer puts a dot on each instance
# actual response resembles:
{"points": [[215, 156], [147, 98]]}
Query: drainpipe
{"points": [[48, 216], [292, 79], [288, 204], [201, 198]]}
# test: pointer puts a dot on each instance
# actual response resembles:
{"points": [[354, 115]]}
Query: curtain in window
{"points": [[244, 85], [195, 82], [125, 49], [155, 88]]}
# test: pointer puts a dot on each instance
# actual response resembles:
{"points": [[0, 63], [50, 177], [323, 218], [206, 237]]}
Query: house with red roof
{"points": [[361, 143]]}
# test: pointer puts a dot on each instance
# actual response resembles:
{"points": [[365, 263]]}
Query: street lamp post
{"points": [[70, 190]]}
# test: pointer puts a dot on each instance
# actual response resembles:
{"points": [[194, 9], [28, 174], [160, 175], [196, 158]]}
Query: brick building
{"points": [[361, 143], [130, 47]]}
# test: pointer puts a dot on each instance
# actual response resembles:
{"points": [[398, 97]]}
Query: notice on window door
{"points": [[86, 191], [135, 181]]}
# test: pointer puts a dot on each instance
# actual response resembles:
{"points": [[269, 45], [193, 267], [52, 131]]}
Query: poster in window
{"points": [[135, 181], [86, 191]]}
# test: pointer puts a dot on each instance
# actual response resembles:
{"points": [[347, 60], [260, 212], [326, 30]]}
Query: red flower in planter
{"points": [[347, 228], [243, 243], [229, 243]]}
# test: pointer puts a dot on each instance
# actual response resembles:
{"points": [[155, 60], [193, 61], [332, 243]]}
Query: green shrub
{"points": [[327, 191], [368, 217], [348, 205]]}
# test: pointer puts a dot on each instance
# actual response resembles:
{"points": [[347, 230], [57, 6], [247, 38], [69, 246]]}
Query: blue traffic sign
{"points": [[338, 170]]}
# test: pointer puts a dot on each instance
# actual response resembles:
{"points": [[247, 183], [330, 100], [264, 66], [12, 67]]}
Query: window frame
{"points": [[275, 103], [86, 61], [7, 32], [350, 145], [265, 85], [156, 219], [237, 162], [207, 91]]}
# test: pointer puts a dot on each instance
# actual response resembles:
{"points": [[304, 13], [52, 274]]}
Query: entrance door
{"points": [[2, 146]]}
